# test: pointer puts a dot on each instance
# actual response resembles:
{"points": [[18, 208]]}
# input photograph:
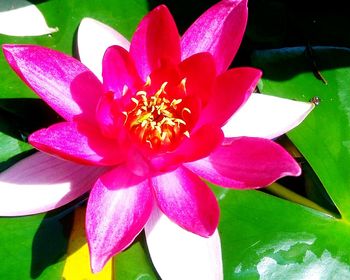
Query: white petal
{"points": [[267, 116], [94, 38], [22, 18], [179, 254], [41, 182]]}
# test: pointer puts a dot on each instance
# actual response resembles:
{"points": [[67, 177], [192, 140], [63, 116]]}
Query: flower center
{"points": [[158, 120]]}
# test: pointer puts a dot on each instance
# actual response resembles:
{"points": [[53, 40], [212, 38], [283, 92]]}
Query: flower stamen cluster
{"points": [[158, 120]]}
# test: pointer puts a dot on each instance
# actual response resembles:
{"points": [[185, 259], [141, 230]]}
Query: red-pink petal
{"points": [[156, 39], [118, 71], [79, 143], [200, 73], [218, 31], [231, 90], [187, 201], [200, 144], [61, 81], [42, 182], [118, 208], [245, 163]]}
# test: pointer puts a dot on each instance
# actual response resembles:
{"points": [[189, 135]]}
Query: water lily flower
{"points": [[152, 119]]}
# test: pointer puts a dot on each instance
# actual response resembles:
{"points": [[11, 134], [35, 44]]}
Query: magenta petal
{"points": [[119, 206], [187, 201], [231, 90], [61, 81], [218, 31], [119, 71], [245, 163], [156, 39], [78, 143]]}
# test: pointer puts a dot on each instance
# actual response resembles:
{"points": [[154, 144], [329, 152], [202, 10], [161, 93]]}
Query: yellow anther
{"points": [[148, 81], [186, 133], [141, 92], [158, 129], [133, 99], [175, 102], [180, 121], [164, 135], [186, 110], [183, 84], [125, 90], [162, 87], [144, 117], [150, 143]]}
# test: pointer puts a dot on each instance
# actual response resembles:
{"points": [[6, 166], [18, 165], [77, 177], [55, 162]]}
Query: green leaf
{"points": [[135, 262], [34, 247], [265, 237]]}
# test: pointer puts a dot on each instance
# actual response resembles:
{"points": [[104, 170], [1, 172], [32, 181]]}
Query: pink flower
{"points": [[155, 124]]}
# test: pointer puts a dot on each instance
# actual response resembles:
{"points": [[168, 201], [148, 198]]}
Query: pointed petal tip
{"points": [[91, 51], [267, 116], [40, 183], [22, 18]]}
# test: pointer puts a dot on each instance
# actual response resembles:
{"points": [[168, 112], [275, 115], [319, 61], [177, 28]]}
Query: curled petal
{"points": [[246, 163], [187, 201], [267, 116], [156, 39], [61, 81], [41, 182], [78, 143], [200, 144], [231, 90], [218, 31], [91, 50], [199, 71], [119, 71], [119, 205], [179, 254], [22, 18]]}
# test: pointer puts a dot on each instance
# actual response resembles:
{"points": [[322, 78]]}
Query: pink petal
{"points": [[94, 38], [61, 81], [78, 143], [200, 144], [119, 71], [231, 90], [218, 31], [245, 163], [187, 201], [267, 116], [156, 39], [118, 208], [41, 182], [200, 73], [179, 254]]}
